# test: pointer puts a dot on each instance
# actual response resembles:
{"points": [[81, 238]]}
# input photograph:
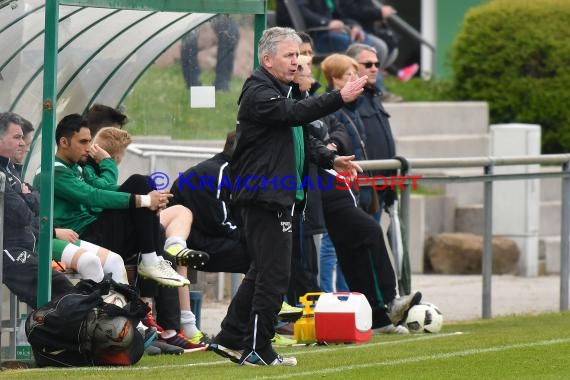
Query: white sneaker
{"points": [[282, 360], [163, 273], [253, 359], [399, 307], [391, 329]]}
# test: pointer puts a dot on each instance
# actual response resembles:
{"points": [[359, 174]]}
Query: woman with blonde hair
{"points": [[339, 69], [358, 238]]}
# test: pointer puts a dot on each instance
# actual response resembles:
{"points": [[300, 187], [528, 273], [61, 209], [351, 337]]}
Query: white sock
{"points": [[188, 323], [115, 265], [89, 267], [174, 240], [167, 334], [68, 253], [149, 258]]}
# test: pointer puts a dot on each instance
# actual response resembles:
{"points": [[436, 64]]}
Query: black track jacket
{"points": [[263, 164]]}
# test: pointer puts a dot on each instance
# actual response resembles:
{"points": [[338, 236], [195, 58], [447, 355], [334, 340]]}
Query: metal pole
{"points": [[403, 25], [2, 188], [564, 236], [48, 145], [405, 220], [152, 163], [260, 23], [487, 259], [221, 286], [14, 314], [236, 281]]}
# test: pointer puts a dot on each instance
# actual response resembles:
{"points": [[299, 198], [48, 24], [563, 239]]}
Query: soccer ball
{"points": [[424, 317], [115, 298], [113, 339]]}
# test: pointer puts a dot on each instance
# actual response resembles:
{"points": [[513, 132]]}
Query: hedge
{"points": [[515, 54]]}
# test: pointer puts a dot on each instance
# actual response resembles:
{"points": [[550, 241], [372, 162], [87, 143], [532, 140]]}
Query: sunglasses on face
{"points": [[370, 64]]}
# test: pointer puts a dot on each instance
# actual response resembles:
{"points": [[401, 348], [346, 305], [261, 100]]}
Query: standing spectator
{"points": [[306, 49], [338, 70], [380, 143], [364, 259], [307, 221], [227, 31], [271, 150]]}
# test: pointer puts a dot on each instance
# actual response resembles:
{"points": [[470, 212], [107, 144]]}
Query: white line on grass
{"points": [[368, 345], [474, 351], [317, 350]]}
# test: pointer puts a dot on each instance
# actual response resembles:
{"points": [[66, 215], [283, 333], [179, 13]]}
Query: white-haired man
{"points": [[270, 154]]}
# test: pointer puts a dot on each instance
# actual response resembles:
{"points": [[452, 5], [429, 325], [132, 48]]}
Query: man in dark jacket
{"points": [[206, 190], [20, 263], [379, 139], [267, 167]]}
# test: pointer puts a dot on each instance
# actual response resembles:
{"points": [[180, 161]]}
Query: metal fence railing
{"points": [[487, 164], [406, 167]]}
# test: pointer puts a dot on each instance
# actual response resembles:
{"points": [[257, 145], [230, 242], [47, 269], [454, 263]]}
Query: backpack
{"points": [[80, 329]]}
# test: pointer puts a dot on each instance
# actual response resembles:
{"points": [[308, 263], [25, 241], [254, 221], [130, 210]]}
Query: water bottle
{"points": [[23, 348]]}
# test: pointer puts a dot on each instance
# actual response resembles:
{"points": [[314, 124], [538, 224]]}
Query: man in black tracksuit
{"points": [[20, 265], [206, 190], [267, 165]]}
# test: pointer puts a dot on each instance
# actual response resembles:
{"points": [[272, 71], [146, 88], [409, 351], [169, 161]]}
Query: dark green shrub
{"points": [[515, 54]]}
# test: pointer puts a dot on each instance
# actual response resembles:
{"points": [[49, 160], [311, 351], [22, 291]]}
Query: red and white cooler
{"points": [[343, 317]]}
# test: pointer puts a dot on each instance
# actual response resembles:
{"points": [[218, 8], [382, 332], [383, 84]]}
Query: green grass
{"points": [[159, 104], [522, 347], [419, 90]]}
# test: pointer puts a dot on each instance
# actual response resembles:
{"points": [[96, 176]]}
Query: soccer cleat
{"points": [[253, 359], [165, 348], [391, 329], [280, 340], [225, 352], [179, 340], [149, 322], [188, 257], [399, 307], [198, 338], [289, 313], [285, 328], [149, 335], [162, 273], [152, 350], [406, 73]]}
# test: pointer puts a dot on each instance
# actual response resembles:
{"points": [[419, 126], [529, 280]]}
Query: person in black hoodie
{"points": [[20, 264], [206, 190], [267, 167]]}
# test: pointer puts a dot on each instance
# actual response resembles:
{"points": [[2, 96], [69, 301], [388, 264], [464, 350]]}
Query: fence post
{"points": [[2, 184], [405, 283], [487, 259], [564, 236]]}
